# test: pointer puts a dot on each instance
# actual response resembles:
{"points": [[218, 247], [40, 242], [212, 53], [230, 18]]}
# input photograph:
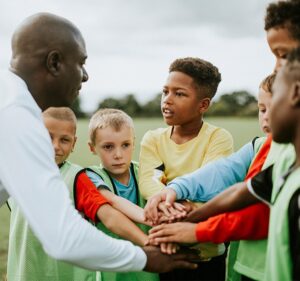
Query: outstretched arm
{"points": [[250, 223], [134, 212], [121, 225], [233, 198]]}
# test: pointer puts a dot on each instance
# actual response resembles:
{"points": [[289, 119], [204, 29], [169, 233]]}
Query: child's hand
{"points": [[174, 212], [168, 195], [169, 248], [179, 232]]}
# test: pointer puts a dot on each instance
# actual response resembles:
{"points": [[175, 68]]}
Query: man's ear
{"points": [[54, 61], [295, 94], [204, 105]]}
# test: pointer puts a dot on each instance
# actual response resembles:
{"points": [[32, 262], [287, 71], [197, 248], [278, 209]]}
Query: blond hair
{"points": [[61, 113], [108, 117], [267, 83]]}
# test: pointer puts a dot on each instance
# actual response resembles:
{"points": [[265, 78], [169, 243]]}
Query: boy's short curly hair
{"points": [[284, 14], [205, 75]]}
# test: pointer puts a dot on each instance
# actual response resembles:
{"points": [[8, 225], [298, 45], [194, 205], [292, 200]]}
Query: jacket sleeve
{"points": [[250, 223], [31, 177], [206, 182]]}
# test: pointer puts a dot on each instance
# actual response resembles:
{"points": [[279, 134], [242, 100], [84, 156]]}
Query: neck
{"points": [[186, 132], [33, 90], [122, 178]]}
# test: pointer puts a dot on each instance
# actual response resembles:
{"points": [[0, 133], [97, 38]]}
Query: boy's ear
{"points": [[204, 105], [295, 94], [92, 148], [75, 139], [54, 62]]}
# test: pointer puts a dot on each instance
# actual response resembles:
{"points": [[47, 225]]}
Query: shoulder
{"points": [[155, 135], [216, 131], [217, 135]]}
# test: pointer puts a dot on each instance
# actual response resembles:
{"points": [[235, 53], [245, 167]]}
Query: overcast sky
{"points": [[131, 43]]}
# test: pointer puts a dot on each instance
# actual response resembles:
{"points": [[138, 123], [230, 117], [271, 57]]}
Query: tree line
{"points": [[237, 103]]}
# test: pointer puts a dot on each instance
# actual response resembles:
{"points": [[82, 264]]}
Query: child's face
{"points": [[115, 149], [281, 43], [63, 137], [281, 118], [264, 102], [180, 103]]}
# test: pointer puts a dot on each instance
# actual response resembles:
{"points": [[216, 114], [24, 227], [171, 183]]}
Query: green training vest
{"points": [[251, 256], [123, 276], [231, 274], [27, 261], [278, 261]]}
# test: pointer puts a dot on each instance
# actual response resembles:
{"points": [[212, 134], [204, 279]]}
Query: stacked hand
{"points": [[162, 208]]}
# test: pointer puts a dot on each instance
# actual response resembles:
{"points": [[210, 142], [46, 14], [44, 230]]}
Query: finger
{"points": [[179, 206], [157, 228], [163, 248], [165, 239], [151, 210], [170, 199], [164, 209], [185, 264]]}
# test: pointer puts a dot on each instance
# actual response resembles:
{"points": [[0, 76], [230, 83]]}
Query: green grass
{"points": [[242, 130]]}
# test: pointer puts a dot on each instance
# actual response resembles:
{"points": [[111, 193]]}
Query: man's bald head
{"points": [[41, 32], [43, 46]]}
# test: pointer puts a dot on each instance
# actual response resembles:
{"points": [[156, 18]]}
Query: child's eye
{"points": [[65, 140], [180, 94], [262, 110], [164, 92], [107, 147], [125, 145]]}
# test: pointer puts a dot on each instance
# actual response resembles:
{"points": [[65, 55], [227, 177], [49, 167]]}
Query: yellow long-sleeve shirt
{"points": [[162, 160]]}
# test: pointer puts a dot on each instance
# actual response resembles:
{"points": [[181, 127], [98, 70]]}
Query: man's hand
{"points": [[160, 263], [151, 209], [179, 232]]}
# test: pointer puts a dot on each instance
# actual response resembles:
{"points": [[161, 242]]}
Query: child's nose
{"points": [[118, 153], [167, 98]]}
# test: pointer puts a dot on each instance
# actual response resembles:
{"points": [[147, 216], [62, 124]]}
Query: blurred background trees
{"points": [[237, 103]]}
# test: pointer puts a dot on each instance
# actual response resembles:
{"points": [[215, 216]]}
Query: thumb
{"points": [[184, 264], [170, 198]]}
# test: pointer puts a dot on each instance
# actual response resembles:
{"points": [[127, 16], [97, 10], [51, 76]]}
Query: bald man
{"points": [[47, 69]]}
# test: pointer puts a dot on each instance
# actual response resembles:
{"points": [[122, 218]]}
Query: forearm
{"points": [[208, 181], [119, 224], [233, 198], [250, 223], [132, 211]]}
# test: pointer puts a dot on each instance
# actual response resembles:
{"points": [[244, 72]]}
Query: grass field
{"points": [[242, 130]]}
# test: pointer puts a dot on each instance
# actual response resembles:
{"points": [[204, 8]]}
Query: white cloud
{"points": [[131, 43]]}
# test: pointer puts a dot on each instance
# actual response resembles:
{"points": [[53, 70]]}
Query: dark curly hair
{"points": [[284, 14], [205, 75]]}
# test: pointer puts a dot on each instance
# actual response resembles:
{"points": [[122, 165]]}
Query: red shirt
{"points": [[250, 223], [87, 198]]}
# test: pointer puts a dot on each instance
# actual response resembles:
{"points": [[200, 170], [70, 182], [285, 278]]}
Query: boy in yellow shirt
{"points": [[186, 145]]}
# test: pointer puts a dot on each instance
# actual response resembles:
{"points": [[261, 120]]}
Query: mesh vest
{"points": [[251, 256], [27, 261], [278, 260], [123, 276]]}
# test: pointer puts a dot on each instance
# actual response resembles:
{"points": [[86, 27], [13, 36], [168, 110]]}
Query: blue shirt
{"points": [[206, 182], [126, 191]]}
